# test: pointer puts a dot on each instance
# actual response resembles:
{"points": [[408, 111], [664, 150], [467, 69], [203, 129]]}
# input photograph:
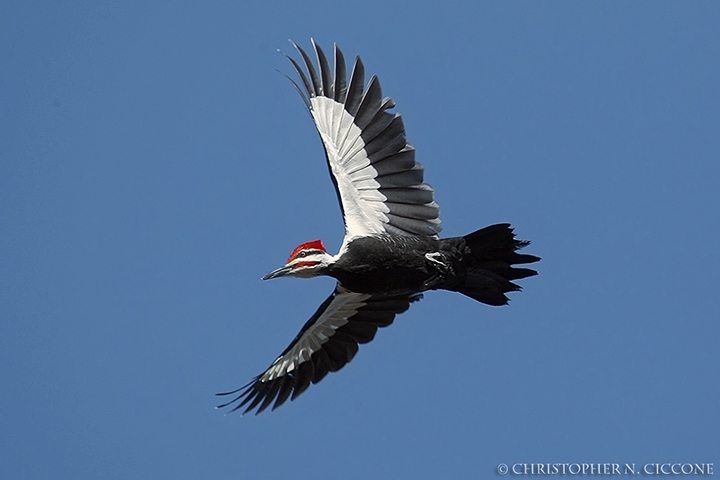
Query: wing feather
{"points": [[415, 212], [284, 391], [364, 145], [302, 381], [416, 197], [401, 161], [407, 178], [325, 72], [316, 86], [340, 83], [354, 93], [370, 104], [303, 79]]}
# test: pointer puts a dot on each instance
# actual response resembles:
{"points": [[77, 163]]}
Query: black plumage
{"points": [[479, 265]]}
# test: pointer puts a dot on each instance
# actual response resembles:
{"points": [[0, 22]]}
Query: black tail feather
{"points": [[489, 257]]}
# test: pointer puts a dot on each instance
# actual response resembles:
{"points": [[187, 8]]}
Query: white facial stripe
{"points": [[314, 259]]}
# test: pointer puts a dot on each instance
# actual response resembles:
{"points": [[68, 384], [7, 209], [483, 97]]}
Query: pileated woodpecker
{"points": [[391, 252]]}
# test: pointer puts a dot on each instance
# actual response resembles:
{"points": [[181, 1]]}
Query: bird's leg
{"points": [[441, 266]]}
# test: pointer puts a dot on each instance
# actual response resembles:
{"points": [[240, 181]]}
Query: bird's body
{"points": [[391, 253], [395, 265], [388, 264]]}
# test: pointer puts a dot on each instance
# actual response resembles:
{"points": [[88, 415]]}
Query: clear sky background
{"points": [[154, 165]]}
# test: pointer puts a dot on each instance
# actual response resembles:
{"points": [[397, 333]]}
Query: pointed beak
{"points": [[280, 272]]}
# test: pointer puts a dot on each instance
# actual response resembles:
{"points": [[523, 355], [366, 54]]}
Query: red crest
{"points": [[314, 245]]}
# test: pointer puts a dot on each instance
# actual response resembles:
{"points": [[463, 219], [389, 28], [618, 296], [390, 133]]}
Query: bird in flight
{"points": [[391, 252]]}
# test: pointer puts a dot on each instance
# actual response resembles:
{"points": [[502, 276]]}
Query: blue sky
{"points": [[154, 165]]}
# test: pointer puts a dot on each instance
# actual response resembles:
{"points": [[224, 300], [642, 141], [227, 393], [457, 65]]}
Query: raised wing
{"points": [[325, 344], [378, 182]]}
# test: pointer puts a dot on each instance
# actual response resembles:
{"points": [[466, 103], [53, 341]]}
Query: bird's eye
{"points": [[302, 253]]}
